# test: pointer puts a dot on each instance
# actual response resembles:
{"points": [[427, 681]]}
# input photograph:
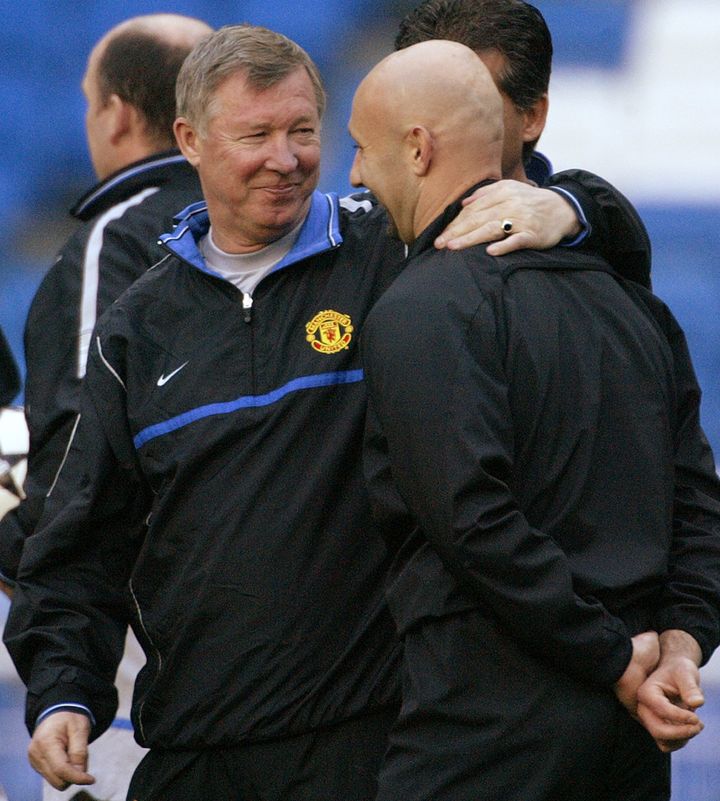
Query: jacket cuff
{"points": [[68, 698], [585, 228], [65, 708]]}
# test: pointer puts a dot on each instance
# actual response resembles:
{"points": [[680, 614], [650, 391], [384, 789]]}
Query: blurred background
{"points": [[635, 98]]}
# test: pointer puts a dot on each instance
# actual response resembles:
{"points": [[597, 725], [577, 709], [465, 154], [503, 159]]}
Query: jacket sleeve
{"points": [[617, 232], [442, 402], [51, 401], [69, 616], [691, 596]]}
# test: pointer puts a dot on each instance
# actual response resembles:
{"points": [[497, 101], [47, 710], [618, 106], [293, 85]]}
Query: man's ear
{"points": [[419, 147], [121, 116], [535, 119], [187, 139]]}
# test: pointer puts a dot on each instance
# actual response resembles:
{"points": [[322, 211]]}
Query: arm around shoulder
{"points": [[617, 233]]}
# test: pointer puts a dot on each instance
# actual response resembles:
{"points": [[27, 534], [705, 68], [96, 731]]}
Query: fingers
{"points": [[483, 212], [662, 710], [664, 714], [58, 750], [668, 735], [77, 752], [56, 766], [545, 217], [662, 699], [464, 232], [520, 241]]}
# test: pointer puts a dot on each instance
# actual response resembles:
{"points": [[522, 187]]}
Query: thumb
{"points": [[690, 692]]}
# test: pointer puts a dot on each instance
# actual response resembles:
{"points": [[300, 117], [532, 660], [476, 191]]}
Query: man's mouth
{"points": [[281, 189]]}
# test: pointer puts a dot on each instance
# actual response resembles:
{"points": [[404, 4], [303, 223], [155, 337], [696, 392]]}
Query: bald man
{"points": [[532, 450], [129, 85]]}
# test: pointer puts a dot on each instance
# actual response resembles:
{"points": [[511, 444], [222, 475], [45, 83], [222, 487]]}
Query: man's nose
{"points": [[281, 156], [355, 172]]}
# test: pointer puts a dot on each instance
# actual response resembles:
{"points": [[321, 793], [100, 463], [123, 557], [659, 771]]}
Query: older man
{"points": [[534, 450], [215, 472]]}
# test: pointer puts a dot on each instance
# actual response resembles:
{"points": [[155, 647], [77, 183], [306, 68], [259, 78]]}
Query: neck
{"points": [[436, 198], [517, 174], [249, 238]]}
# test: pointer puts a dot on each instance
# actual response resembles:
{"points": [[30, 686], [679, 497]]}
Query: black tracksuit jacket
{"points": [[537, 417], [215, 469], [117, 241]]}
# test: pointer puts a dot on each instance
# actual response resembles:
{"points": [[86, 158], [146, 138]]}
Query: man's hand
{"points": [[540, 219], [668, 699], [58, 749], [645, 657]]}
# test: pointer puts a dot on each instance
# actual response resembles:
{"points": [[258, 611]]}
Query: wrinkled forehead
{"points": [[242, 82]]}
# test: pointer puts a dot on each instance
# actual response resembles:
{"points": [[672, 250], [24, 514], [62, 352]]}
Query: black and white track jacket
{"points": [[122, 218]]}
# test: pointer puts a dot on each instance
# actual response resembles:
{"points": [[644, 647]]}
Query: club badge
{"points": [[329, 331]]}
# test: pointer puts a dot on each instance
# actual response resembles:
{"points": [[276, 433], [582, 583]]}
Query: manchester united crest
{"points": [[329, 331]]}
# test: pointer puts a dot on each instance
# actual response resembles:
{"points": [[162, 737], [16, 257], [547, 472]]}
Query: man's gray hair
{"points": [[263, 56]]}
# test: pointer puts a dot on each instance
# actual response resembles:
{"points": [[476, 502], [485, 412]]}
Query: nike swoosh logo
{"points": [[165, 378]]}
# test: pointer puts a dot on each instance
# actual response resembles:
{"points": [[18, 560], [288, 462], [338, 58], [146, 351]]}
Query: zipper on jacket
{"points": [[247, 303]]}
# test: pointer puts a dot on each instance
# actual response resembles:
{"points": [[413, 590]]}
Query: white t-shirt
{"points": [[246, 270]]}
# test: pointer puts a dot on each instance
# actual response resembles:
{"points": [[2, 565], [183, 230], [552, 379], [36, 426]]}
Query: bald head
{"points": [[130, 86], [175, 30], [139, 60], [428, 124]]}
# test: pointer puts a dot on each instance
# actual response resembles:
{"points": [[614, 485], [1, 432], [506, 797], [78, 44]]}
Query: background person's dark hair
{"points": [[514, 28], [142, 69]]}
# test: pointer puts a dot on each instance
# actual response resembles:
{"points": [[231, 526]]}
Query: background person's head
{"points": [[428, 125], [250, 103], [513, 40], [129, 84]]}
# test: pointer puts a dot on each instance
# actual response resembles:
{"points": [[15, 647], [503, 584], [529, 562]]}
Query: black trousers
{"points": [[339, 763], [482, 720]]}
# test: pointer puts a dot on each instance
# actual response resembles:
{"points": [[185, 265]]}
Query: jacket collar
{"points": [[538, 168], [320, 232], [156, 169]]}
